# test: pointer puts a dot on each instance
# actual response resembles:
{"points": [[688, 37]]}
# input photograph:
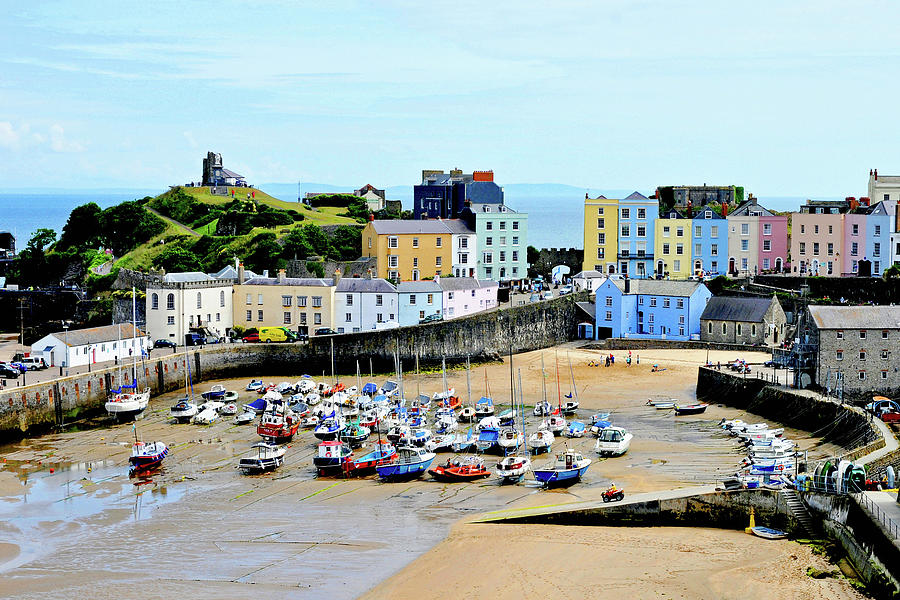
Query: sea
{"points": [[555, 212]]}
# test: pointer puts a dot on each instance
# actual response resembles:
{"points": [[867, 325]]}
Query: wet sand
{"points": [[200, 528]]}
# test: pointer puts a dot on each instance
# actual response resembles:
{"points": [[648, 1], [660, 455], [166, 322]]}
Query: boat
{"points": [[245, 418], [230, 396], [540, 441], [410, 463], [369, 389], [507, 417], [229, 409], [312, 398], [570, 406], [354, 434], [487, 439], [183, 410], [768, 533], [690, 409], [443, 442], [554, 423], [279, 425], [306, 385], [383, 453], [484, 407], [613, 441], [470, 468], [126, 401], [663, 405], [259, 405], [329, 427], [542, 409], [568, 467], [509, 438], [488, 423], [266, 458], [331, 456], [206, 416], [216, 392], [884, 408], [398, 433], [467, 414], [575, 429], [419, 437], [672, 401], [255, 385], [512, 468], [146, 455], [445, 424]]}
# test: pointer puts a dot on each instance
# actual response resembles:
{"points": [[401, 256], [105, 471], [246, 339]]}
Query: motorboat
{"points": [[284, 388], [419, 437], [664, 405], [613, 441], [331, 456], [398, 433], [259, 405], [570, 406], [542, 409], [229, 409], [312, 398], [690, 409], [554, 423], [300, 408], [212, 404], [355, 435], [484, 407], [126, 401], [445, 424], [183, 410], [470, 468], [266, 457], [147, 455], [370, 389], [278, 425], [488, 423], [575, 429], [329, 427], [467, 414], [464, 442], [510, 438], [540, 441], [255, 385], [206, 416], [245, 418], [230, 396], [442, 442], [512, 468], [383, 453], [411, 462], [568, 467], [306, 385], [216, 392]]}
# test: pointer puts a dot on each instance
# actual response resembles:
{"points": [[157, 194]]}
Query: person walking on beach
{"points": [[612, 360]]}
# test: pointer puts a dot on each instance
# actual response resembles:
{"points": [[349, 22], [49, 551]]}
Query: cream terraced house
{"points": [[299, 304], [186, 302]]}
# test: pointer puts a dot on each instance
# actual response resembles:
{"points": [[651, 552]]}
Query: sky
{"points": [[786, 98]]}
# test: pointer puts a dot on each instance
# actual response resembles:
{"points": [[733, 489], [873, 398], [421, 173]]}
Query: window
{"points": [[830, 229], [839, 355], [599, 210], [502, 225], [714, 250], [744, 264], [259, 299], [642, 213], [503, 241], [714, 266], [714, 231], [303, 318], [642, 231], [862, 355], [349, 300], [392, 242], [154, 301], [412, 299], [766, 263], [767, 229], [515, 241], [502, 255], [259, 315], [698, 231], [199, 300], [463, 242], [286, 300], [651, 329], [651, 318], [488, 241], [709, 327], [652, 301], [317, 318], [249, 315], [379, 300], [218, 317], [876, 249], [767, 245], [739, 329], [626, 231], [745, 228], [170, 302], [626, 213], [676, 265], [393, 261], [724, 328], [170, 320], [665, 248], [854, 249], [745, 245], [249, 298], [862, 375], [609, 300], [369, 238], [450, 295], [415, 261], [421, 314], [415, 242], [287, 318], [379, 317], [609, 315], [816, 248], [666, 303], [679, 249], [317, 301], [439, 242], [489, 226], [666, 230], [680, 303], [640, 299], [681, 319], [438, 261], [884, 374], [802, 247], [601, 223], [884, 354], [815, 229], [862, 334], [698, 249], [679, 232], [301, 301], [802, 228], [348, 317], [878, 230]]}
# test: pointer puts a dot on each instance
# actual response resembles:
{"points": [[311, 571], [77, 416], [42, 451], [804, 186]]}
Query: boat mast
{"points": [[469, 384], [418, 377], [572, 375], [522, 401], [333, 382], [558, 389], [543, 382], [134, 337]]}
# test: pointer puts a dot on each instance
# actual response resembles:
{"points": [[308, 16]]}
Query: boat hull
{"points": [[442, 473], [550, 477], [405, 472], [260, 465]]}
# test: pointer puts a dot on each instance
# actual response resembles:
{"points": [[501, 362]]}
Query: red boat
{"points": [[469, 469], [383, 453], [277, 427]]}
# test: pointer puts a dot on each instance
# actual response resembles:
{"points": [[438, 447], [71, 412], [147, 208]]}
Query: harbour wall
{"points": [[837, 423], [636, 344], [483, 337]]}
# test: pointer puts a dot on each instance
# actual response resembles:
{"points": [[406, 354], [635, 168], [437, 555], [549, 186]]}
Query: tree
{"points": [[892, 272], [346, 243], [127, 225], [32, 261], [175, 259], [82, 229]]}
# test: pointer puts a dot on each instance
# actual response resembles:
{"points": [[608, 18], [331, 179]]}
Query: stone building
{"points": [[751, 321], [854, 345], [190, 302]]}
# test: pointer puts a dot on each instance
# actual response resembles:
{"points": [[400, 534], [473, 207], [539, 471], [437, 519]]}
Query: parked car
{"points": [[8, 372], [34, 363], [566, 289], [325, 331], [431, 318], [387, 325], [547, 295], [164, 344], [276, 334], [251, 338], [18, 365]]}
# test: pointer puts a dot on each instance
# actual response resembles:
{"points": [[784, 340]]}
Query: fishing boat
{"points": [[690, 409], [568, 467], [355, 434], [383, 453], [266, 457], [126, 401], [255, 385], [613, 441], [278, 425], [146, 455], [411, 462], [512, 468], [540, 441], [768, 533], [575, 429], [329, 427], [216, 392], [331, 456], [470, 468], [245, 418], [183, 410], [554, 423]]}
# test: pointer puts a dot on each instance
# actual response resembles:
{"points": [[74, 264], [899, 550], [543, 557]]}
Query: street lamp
{"points": [[66, 329]]}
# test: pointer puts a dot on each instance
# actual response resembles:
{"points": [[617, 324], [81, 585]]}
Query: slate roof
{"points": [[457, 226], [230, 272], [359, 284], [408, 226], [185, 277], [98, 335], [588, 308], [635, 196], [308, 281], [588, 275], [659, 287], [410, 287], [452, 284], [730, 308], [855, 317]]}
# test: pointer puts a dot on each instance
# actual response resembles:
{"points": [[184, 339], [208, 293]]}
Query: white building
{"points": [[189, 301], [588, 280], [79, 347], [464, 296], [464, 244], [361, 303]]}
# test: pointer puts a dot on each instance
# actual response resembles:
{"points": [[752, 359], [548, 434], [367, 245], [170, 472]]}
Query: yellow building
{"points": [[601, 234], [673, 246], [299, 304], [409, 250]]}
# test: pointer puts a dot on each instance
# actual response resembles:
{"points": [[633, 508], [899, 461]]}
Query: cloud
{"points": [[9, 137], [59, 143], [22, 137], [190, 139]]}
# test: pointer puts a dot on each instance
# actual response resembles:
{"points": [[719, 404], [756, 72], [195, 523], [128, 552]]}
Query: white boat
{"points": [[183, 410], [265, 458], [512, 468], [554, 423], [446, 395], [245, 418], [445, 424], [541, 441], [613, 441], [127, 404], [762, 434], [489, 423], [229, 409], [510, 438], [306, 386], [467, 414], [312, 398], [230, 396], [206, 416], [768, 533], [542, 409]]}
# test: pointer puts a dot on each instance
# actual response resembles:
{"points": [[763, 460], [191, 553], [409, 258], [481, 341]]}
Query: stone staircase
{"points": [[800, 512]]}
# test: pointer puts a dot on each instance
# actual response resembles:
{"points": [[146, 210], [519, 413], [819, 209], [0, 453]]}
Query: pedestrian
{"points": [[628, 362], [719, 365], [612, 360], [638, 359]]}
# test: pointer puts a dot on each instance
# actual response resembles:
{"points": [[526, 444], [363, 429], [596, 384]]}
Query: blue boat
{"points": [[370, 389], [329, 428], [575, 429], [487, 439], [383, 453], [259, 405], [484, 407], [410, 463], [568, 468]]}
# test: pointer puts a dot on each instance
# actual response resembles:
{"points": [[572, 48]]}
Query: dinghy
{"points": [[216, 392], [146, 455], [245, 418], [206, 416], [470, 468], [767, 533], [255, 385], [690, 409]]}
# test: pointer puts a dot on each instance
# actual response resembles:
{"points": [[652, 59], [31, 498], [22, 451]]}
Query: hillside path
{"points": [[177, 224]]}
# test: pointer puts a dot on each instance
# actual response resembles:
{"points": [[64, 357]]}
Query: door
{"points": [[731, 266]]}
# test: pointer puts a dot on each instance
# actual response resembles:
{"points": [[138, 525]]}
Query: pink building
{"points": [[773, 243], [466, 295], [854, 242]]}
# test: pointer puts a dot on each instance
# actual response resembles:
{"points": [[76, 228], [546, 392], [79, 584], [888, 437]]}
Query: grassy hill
{"points": [[326, 215]]}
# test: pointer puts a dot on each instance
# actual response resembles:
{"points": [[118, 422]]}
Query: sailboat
{"points": [[184, 409], [511, 468], [468, 414], [485, 406], [146, 455], [571, 404], [543, 408], [126, 401]]}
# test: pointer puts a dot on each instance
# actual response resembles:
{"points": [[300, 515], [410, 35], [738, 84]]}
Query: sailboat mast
{"points": [[418, 377], [543, 382], [572, 375], [468, 384], [134, 337], [558, 389], [522, 400], [333, 382]]}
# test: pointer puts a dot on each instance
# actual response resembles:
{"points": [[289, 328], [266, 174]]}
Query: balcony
{"points": [[630, 256]]}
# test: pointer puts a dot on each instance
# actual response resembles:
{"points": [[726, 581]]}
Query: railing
{"points": [[892, 527]]}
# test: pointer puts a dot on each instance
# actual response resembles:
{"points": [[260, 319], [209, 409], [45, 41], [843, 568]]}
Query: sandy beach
{"points": [[198, 527]]}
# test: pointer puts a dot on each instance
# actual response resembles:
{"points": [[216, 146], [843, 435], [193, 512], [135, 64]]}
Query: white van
{"points": [[34, 363]]}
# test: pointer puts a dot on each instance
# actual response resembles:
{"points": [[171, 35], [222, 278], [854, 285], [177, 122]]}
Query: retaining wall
{"points": [[635, 344]]}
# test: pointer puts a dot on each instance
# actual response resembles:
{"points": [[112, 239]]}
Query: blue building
{"points": [[709, 252], [650, 309], [444, 195], [419, 299], [637, 220], [878, 238]]}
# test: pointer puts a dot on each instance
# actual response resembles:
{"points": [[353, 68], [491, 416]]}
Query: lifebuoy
{"points": [[328, 454]]}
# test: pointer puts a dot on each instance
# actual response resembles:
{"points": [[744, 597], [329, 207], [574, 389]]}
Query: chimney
{"points": [[281, 275], [853, 203], [876, 174], [724, 209], [240, 272], [870, 172], [865, 201], [337, 277]]}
